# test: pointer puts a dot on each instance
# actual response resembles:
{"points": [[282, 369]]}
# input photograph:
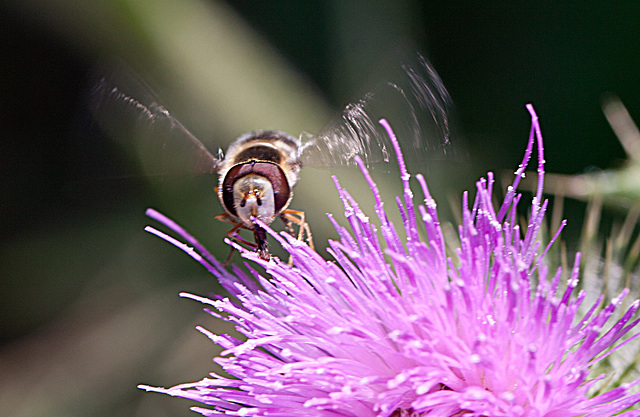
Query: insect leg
{"points": [[297, 216], [234, 235]]}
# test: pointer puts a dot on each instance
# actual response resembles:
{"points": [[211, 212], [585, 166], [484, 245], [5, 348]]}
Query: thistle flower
{"points": [[394, 327]]}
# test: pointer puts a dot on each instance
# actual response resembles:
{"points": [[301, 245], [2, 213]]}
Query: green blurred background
{"points": [[89, 304]]}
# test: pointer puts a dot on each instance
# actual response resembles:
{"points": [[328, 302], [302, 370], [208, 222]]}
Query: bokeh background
{"points": [[88, 301]]}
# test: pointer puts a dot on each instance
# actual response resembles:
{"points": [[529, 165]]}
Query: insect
{"points": [[260, 169], [256, 180]]}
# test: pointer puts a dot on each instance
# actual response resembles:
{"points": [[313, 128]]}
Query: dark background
{"points": [[89, 306]]}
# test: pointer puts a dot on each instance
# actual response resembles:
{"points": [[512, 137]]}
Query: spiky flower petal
{"points": [[394, 327]]}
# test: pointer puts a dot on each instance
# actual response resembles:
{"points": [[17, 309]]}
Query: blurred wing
{"points": [[130, 113], [417, 106]]}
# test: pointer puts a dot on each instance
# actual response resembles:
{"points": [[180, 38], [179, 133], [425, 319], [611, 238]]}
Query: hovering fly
{"points": [[256, 180], [260, 169]]}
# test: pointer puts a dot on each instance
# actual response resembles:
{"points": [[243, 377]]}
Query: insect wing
{"points": [[126, 108], [417, 106]]}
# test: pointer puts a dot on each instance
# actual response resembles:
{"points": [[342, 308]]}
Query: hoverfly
{"points": [[259, 170]]}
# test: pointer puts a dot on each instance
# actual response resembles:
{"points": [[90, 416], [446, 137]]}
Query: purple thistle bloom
{"points": [[394, 327]]}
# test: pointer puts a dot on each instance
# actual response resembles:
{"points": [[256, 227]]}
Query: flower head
{"points": [[395, 327]]}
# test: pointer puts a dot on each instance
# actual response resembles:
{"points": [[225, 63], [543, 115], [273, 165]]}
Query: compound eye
{"points": [[234, 182]]}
